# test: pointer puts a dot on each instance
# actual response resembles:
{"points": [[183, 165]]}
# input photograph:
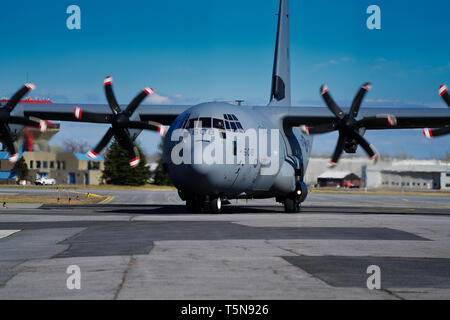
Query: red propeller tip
{"points": [[367, 86], [91, 154], [42, 126], [14, 157], [161, 130], [392, 120], [149, 91], [30, 86], [77, 111], [331, 163], [443, 89], [427, 133], [304, 129], [108, 80], [134, 162], [373, 157], [323, 89]]}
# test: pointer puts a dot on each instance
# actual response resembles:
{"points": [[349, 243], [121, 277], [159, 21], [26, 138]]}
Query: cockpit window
{"points": [[218, 123], [234, 117], [205, 123], [191, 123]]}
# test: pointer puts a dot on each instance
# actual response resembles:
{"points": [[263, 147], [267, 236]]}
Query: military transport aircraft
{"points": [[246, 173]]}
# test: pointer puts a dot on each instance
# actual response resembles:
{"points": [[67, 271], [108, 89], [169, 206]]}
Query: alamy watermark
{"points": [[374, 20], [374, 280], [74, 279], [211, 146], [73, 22]]}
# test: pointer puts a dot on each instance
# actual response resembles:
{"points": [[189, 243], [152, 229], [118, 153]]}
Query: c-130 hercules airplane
{"points": [[248, 172]]}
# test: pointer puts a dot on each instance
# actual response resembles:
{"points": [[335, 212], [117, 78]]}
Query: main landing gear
{"points": [[212, 204]]}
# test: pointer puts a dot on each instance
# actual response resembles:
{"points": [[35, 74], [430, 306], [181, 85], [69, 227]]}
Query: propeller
{"points": [[120, 122], [430, 134], [6, 118], [351, 131]]}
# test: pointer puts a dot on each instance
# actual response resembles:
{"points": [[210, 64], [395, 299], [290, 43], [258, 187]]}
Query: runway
{"points": [[142, 245]]}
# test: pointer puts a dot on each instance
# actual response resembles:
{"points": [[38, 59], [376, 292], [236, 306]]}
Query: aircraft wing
{"points": [[406, 118], [163, 114]]}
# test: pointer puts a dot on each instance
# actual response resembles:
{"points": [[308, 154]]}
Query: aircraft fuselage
{"points": [[262, 160]]}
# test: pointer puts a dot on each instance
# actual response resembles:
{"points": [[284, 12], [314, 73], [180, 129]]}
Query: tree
{"points": [[161, 176], [118, 170], [22, 169], [72, 145]]}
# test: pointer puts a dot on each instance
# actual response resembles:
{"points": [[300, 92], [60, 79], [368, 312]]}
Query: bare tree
{"points": [[71, 145]]}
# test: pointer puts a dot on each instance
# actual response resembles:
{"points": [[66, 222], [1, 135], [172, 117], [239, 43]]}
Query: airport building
{"points": [[45, 161], [64, 167], [386, 174], [342, 179], [409, 174]]}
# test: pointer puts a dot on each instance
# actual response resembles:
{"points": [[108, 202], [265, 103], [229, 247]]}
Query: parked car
{"points": [[44, 181]]}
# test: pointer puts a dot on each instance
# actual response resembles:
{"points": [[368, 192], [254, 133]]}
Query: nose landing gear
{"points": [[292, 202]]}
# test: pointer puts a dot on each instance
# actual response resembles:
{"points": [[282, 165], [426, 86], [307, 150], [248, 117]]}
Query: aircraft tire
{"points": [[291, 205], [215, 205]]}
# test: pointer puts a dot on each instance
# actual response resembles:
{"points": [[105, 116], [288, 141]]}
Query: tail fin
{"points": [[281, 77]]}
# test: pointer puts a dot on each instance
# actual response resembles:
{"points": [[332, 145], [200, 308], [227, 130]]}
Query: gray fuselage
{"points": [[252, 173]]}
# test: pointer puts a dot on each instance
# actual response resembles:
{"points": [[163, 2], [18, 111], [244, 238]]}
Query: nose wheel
{"points": [[292, 205]]}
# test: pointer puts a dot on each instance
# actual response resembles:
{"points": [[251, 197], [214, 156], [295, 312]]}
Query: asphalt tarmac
{"points": [[142, 245]]}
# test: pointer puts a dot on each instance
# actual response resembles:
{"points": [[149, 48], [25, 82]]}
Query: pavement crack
{"points": [[124, 277], [392, 293], [284, 249]]}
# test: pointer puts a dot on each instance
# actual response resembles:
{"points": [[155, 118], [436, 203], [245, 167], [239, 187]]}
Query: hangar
{"points": [[409, 174], [334, 178]]}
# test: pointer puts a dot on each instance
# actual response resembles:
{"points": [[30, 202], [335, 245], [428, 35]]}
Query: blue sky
{"points": [[194, 51]]}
